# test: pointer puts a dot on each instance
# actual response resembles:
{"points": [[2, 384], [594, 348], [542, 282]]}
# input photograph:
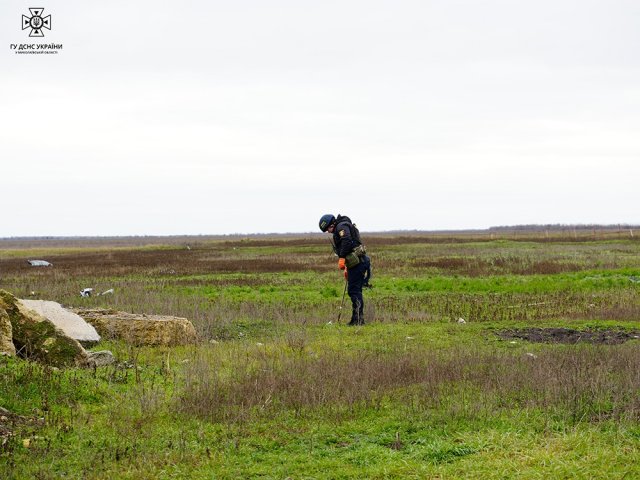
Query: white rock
{"points": [[72, 324]]}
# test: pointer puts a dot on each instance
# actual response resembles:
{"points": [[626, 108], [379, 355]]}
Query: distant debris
{"points": [[462, 320], [39, 263], [634, 279], [87, 292]]}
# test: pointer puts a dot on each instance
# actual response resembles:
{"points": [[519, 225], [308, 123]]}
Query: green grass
{"points": [[116, 437], [278, 389]]}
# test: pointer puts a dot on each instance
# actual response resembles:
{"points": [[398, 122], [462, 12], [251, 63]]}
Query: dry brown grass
{"points": [[509, 307], [159, 262], [579, 383], [478, 267], [158, 280]]}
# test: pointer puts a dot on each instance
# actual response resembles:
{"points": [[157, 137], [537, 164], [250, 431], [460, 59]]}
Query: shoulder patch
{"points": [[341, 233]]}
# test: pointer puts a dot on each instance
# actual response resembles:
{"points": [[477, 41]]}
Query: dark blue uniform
{"points": [[358, 275]]}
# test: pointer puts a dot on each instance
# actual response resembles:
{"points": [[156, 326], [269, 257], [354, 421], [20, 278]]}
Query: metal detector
{"points": [[342, 303]]}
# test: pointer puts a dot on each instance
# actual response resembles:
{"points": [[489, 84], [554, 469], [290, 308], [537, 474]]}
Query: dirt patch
{"points": [[569, 336], [10, 423]]}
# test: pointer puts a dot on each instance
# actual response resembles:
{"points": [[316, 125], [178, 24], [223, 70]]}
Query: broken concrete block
{"points": [[36, 338], [140, 329], [72, 324]]}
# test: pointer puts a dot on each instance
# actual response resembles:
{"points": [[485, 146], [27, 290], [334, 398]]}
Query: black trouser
{"points": [[357, 276]]}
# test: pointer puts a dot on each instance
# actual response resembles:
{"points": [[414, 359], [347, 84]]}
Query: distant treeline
{"points": [[559, 227], [519, 232]]}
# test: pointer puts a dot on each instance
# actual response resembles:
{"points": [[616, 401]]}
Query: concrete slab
{"points": [[72, 324]]}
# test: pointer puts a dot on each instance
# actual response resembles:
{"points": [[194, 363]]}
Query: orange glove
{"points": [[346, 275], [341, 264]]}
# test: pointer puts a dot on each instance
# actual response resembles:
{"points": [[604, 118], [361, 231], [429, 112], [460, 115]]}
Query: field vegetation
{"points": [[430, 387]]}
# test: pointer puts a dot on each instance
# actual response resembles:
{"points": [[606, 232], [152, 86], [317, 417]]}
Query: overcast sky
{"points": [[210, 117]]}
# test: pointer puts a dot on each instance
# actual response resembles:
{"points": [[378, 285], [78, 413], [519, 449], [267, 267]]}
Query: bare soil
{"points": [[10, 422], [569, 336]]}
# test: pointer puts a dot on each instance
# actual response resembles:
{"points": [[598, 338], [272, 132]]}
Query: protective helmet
{"points": [[326, 221]]}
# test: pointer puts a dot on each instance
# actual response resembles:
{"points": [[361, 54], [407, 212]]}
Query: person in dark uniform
{"points": [[352, 259]]}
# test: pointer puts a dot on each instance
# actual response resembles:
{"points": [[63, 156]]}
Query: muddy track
{"points": [[569, 336]]}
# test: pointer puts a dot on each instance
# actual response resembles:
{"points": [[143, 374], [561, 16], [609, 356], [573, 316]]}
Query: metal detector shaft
{"points": [[342, 303]]}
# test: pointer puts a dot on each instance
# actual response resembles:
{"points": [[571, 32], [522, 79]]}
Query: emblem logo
{"points": [[36, 22]]}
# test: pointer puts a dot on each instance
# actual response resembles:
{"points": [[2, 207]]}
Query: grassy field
{"points": [[278, 388]]}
